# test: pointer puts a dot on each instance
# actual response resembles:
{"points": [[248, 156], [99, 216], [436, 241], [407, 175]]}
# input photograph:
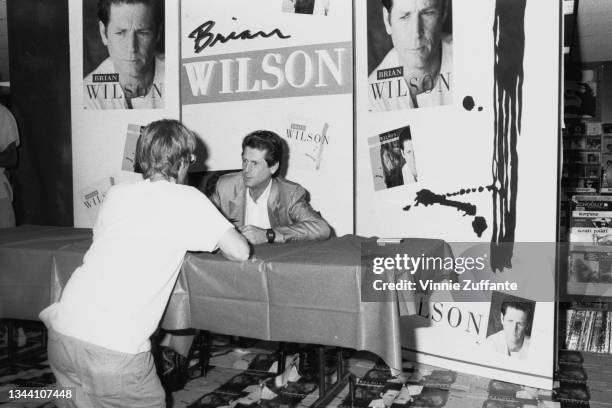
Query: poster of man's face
{"points": [[410, 54], [509, 329], [123, 54]]}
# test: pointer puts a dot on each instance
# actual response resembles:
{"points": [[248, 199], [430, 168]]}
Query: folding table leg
{"points": [[282, 356], [204, 352], [11, 340], [328, 394], [321, 362]]}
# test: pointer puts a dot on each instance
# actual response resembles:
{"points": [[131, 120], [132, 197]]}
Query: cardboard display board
{"points": [[102, 118], [465, 151], [256, 65], [481, 159]]}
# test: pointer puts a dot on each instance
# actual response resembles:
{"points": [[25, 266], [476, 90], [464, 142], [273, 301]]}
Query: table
{"points": [[299, 292]]}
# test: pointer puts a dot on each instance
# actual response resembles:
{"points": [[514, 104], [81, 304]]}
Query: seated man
{"points": [[265, 207], [99, 330]]}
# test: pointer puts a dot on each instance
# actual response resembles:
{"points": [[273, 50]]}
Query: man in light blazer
{"points": [[264, 207]]}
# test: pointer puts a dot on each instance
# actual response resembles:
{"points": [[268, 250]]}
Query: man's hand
{"points": [[253, 234]]}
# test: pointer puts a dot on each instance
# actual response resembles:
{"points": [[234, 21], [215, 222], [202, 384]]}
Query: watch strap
{"points": [[271, 235]]}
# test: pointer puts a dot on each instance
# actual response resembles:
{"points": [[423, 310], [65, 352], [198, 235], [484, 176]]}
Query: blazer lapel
{"points": [[237, 205], [274, 204]]}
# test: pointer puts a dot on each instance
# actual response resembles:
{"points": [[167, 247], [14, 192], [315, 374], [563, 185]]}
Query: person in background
{"points": [[99, 329], [9, 141]]}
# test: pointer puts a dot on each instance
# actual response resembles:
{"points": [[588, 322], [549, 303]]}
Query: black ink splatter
{"points": [[480, 225], [469, 190], [468, 103], [406, 208], [509, 47], [427, 198], [480, 109]]}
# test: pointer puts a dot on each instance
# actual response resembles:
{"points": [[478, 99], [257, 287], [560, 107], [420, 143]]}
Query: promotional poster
{"points": [[249, 66], [489, 96], [123, 56], [409, 68], [436, 135]]}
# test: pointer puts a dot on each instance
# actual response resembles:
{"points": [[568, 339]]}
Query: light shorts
{"points": [[101, 377]]}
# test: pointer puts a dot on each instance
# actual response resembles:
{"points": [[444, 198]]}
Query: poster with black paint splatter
{"points": [[487, 169]]}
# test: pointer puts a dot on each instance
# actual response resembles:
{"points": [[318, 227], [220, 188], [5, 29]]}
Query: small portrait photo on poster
{"points": [[392, 159], [123, 54], [314, 7], [410, 54], [509, 328]]}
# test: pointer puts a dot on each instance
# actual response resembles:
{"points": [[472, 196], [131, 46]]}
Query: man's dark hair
{"points": [[404, 135], [389, 3], [104, 7], [268, 141], [526, 307]]}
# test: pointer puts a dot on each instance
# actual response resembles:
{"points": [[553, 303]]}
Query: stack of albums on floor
{"points": [[584, 379], [427, 386], [28, 365], [246, 377], [235, 376]]}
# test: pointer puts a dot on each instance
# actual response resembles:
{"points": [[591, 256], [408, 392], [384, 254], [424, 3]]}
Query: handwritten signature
{"points": [[203, 37]]}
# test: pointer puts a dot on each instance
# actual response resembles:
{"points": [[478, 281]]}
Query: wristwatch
{"points": [[270, 234]]}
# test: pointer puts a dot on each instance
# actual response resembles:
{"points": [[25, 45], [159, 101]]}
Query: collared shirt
{"points": [[109, 95], [498, 343], [393, 94], [256, 212]]}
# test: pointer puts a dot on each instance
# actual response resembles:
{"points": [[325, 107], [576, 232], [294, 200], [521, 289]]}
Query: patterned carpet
{"points": [[245, 377]]}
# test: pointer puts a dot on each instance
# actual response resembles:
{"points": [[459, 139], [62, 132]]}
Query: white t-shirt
{"points": [[498, 343], [117, 297]]}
